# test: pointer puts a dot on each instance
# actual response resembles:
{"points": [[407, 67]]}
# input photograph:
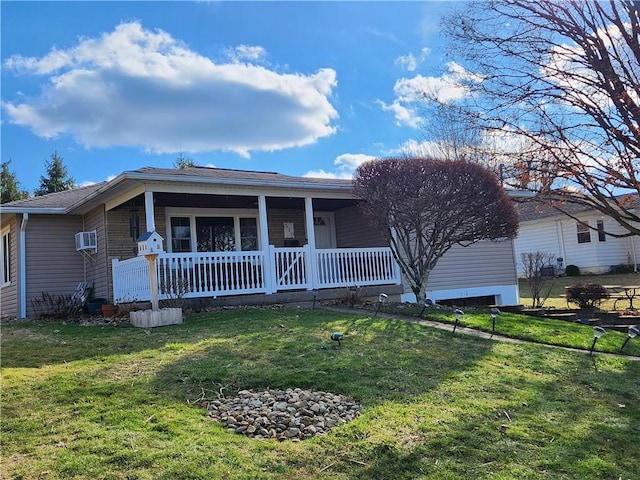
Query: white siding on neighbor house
{"points": [[560, 237], [52, 263], [483, 269], [9, 293], [538, 237]]}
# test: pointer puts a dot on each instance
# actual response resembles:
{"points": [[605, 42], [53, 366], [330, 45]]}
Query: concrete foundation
{"points": [[156, 318]]}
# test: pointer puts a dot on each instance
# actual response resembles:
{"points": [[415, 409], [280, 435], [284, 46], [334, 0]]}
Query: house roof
{"points": [[71, 200], [534, 209], [52, 201]]}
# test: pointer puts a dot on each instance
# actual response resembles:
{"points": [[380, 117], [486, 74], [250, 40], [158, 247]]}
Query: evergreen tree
{"points": [[57, 179], [9, 186], [183, 162]]}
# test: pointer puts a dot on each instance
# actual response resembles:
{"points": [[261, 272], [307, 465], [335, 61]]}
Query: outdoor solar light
{"points": [[315, 297], [597, 333], [632, 333], [494, 314], [458, 313], [427, 304], [381, 299]]}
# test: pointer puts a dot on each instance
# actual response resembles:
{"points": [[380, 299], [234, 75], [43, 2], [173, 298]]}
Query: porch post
{"points": [[269, 258], [148, 211], [311, 242]]}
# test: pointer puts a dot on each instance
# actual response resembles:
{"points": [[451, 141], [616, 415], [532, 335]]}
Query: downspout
{"points": [[561, 238], [23, 265]]}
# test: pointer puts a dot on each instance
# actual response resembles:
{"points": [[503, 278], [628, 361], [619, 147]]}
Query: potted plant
{"points": [[109, 310]]}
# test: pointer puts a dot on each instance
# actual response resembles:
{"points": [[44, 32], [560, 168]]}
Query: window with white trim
{"points": [[213, 233], [5, 250], [584, 233], [602, 236]]}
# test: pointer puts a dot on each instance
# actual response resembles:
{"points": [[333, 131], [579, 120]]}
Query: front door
{"points": [[324, 231]]}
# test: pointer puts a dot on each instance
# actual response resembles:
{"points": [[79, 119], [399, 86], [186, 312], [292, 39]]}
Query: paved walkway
{"points": [[470, 331]]}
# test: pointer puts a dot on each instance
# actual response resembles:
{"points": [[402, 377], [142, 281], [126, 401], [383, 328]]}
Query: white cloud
{"points": [[346, 164], [410, 93], [409, 61], [248, 53], [142, 88]]}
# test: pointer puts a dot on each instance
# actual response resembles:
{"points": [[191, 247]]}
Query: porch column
{"points": [[148, 211], [311, 242], [267, 276]]}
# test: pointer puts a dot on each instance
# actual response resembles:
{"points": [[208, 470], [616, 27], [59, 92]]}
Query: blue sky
{"points": [[301, 88]]}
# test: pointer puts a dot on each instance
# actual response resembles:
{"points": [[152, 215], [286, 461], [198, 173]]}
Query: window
{"points": [[5, 246], [214, 233], [602, 237], [180, 234], [584, 233]]}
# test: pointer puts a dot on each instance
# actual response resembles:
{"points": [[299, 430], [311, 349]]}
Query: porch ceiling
{"points": [[195, 200]]}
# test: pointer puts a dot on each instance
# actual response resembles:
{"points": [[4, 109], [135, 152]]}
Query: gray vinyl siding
{"points": [[353, 231], [96, 263], [276, 220], [53, 264], [119, 243], [9, 293], [480, 265]]}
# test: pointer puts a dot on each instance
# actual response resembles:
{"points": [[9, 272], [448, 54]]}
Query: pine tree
{"points": [[57, 179], [9, 186]]}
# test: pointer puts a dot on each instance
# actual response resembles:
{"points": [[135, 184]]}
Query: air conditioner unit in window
{"points": [[86, 241]]}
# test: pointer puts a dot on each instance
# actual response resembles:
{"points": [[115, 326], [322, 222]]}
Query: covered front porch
{"points": [[213, 274], [228, 241]]}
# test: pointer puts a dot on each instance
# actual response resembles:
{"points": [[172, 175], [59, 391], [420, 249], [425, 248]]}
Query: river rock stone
{"points": [[293, 414]]}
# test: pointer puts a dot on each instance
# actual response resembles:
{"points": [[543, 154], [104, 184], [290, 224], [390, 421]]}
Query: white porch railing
{"points": [[190, 275], [338, 267], [290, 269]]}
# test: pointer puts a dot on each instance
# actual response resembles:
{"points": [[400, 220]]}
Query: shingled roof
{"points": [[59, 202]]}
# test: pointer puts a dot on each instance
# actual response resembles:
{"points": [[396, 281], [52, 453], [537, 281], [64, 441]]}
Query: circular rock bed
{"points": [[294, 414]]}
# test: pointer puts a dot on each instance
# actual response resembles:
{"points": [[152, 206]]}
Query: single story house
{"points": [[226, 233], [580, 241]]}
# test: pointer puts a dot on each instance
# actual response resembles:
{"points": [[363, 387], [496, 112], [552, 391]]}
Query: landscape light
{"points": [[428, 303], [494, 314], [381, 299], [315, 297], [597, 333], [458, 313], [632, 333]]}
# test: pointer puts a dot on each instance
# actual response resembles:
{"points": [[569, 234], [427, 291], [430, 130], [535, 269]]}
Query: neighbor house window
{"points": [[213, 233], [584, 233], [5, 246], [602, 237]]}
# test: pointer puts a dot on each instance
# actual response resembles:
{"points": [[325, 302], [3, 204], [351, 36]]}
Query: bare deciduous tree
{"points": [[425, 206], [564, 75], [540, 285]]}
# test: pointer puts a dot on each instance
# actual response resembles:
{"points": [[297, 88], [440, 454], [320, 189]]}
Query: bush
{"points": [[587, 295], [572, 271]]}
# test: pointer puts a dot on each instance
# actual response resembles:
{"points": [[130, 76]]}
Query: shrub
{"points": [[586, 295], [572, 271]]}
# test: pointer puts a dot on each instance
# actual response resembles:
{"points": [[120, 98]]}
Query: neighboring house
{"points": [[582, 242], [226, 233]]}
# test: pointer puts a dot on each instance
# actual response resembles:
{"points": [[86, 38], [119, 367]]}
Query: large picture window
{"points": [[213, 233], [5, 251]]}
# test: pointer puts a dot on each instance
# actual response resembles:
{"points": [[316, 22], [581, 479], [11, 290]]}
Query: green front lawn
{"points": [[116, 402]]}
